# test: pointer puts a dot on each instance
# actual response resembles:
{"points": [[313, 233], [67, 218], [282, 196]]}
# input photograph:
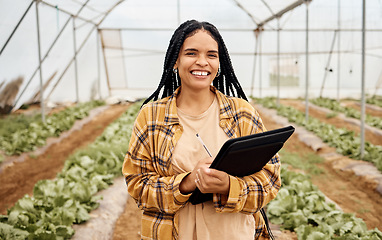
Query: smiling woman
{"points": [[165, 162]]}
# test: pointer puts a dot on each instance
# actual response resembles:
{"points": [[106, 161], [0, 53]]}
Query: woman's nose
{"points": [[202, 61]]}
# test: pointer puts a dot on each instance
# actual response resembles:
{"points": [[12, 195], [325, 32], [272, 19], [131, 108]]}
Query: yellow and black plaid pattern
{"points": [[149, 175]]}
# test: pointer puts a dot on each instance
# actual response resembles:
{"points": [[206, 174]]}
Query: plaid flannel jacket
{"points": [[152, 183]]}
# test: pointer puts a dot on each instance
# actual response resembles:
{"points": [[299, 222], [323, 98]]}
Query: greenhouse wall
{"points": [[78, 56]]}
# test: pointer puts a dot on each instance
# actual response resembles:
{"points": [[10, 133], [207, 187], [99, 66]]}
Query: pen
{"points": [[201, 141]]}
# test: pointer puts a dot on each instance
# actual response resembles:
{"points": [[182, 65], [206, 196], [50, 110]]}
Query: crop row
{"points": [[302, 208], [375, 100], [58, 204], [346, 142], [23, 133], [348, 111]]}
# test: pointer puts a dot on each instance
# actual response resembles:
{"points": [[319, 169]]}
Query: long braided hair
{"points": [[226, 82]]}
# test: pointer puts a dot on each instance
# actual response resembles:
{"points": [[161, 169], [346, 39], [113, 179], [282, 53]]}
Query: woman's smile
{"points": [[200, 73]]}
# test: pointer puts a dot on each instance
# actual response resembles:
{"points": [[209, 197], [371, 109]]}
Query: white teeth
{"points": [[200, 73]]}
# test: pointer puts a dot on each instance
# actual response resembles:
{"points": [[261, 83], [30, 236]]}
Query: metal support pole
{"points": [[17, 26], [278, 62], [178, 11], [339, 51], [124, 63], [105, 63], [70, 62], [307, 64], [52, 45], [40, 67], [98, 65], [75, 59], [254, 61], [363, 80], [43, 59], [83, 43]]}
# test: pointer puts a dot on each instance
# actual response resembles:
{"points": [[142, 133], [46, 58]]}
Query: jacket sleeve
{"points": [[251, 193], [151, 190]]}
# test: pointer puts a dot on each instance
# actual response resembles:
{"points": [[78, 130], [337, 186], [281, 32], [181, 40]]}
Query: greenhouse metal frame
{"points": [[110, 51]]}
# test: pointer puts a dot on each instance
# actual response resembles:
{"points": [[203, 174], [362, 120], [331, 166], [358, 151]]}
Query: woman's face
{"points": [[198, 61]]}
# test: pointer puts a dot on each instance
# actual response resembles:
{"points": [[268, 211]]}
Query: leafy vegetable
{"points": [[68, 199], [346, 142], [349, 112], [301, 207], [25, 133], [375, 100], [309, 163]]}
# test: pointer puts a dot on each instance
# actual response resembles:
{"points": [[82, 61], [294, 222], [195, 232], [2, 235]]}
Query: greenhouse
{"points": [[74, 75]]}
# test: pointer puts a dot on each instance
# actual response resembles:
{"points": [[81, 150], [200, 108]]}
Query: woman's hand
{"points": [[212, 181], [206, 179], [188, 183]]}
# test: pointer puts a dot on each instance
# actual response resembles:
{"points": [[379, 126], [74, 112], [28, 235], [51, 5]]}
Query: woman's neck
{"points": [[194, 103]]}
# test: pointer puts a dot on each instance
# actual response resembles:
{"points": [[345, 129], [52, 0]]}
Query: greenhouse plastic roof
{"points": [[95, 10]]}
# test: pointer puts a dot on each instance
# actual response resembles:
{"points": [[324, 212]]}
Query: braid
{"points": [[226, 82], [230, 83]]}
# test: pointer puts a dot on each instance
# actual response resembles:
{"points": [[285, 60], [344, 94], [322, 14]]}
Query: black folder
{"points": [[246, 155]]}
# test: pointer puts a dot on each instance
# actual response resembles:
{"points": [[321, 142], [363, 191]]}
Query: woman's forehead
{"points": [[200, 37]]}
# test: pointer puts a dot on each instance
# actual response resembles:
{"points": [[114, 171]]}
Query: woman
{"points": [[165, 162]]}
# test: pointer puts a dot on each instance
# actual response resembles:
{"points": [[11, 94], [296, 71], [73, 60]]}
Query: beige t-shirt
{"points": [[202, 221]]}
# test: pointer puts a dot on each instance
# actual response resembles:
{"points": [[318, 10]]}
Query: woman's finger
{"points": [[217, 174], [198, 184], [201, 177]]}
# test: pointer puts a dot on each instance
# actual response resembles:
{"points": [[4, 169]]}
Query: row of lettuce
{"points": [[335, 106], [345, 141], [24, 133], [58, 204], [374, 100], [302, 208]]}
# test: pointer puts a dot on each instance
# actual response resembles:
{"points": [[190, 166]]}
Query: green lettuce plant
{"points": [[346, 142], [66, 200], [348, 111], [23, 133], [301, 207]]}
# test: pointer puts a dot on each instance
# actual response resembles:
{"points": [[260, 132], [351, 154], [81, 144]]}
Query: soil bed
{"points": [[19, 178]]}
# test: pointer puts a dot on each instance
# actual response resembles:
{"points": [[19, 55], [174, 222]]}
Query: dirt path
{"points": [[20, 178], [128, 225], [370, 109]]}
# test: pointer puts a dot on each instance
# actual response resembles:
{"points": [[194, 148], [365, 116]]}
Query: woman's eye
{"points": [[213, 55], [190, 53]]}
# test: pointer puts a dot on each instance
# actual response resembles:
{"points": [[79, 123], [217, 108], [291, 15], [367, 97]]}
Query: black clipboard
{"points": [[246, 155]]}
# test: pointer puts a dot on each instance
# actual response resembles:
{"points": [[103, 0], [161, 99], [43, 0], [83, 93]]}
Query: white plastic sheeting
{"points": [[135, 34]]}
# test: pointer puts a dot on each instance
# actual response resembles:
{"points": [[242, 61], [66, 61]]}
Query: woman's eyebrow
{"points": [[196, 50], [191, 49]]}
